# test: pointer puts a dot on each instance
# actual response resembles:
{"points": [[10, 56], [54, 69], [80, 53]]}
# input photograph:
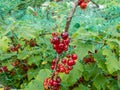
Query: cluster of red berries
{"points": [[22, 65], [89, 59], [60, 44], [31, 42], [3, 69], [15, 48], [83, 3], [66, 64], [52, 84]]}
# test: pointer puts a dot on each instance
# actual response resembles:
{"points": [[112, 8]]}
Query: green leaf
{"points": [[100, 60], [4, 43], [44, 73], [90, 70], [82, 49], [34, 85], [23, 55], [119, 79], [32, 73], [74, 74], [81, 87], [111, 61], [7, 56], [100, 82]]}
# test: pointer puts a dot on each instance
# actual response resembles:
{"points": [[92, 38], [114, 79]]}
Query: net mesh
{"points": [[15, 15]]}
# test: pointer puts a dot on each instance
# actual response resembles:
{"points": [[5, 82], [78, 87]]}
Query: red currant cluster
{"points": [[66, 64], [89, 59], [52, 84], [31, 42], [60, 44], [83, 3], [3, 69], [15, 48]]}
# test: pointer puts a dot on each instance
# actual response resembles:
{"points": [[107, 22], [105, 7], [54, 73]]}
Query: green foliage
{"points": [[26, 21]]}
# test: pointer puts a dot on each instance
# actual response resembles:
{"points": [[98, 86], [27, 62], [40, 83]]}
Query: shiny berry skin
{"points": [[64, 35], [67, 71], [74, 56], [58, 79], [56, 40], [53, 61], [70, 67], [54, 83], [80, 1], [70, 62], [52, 67], [61, 46], [68, 56], [3, 68], [51, 82], [62, 69], [64, 61], [83, 5], [67, 41]]}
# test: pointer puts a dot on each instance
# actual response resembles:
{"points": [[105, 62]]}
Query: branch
{"points": [[56, 65], [95, 3], [69, 18]]}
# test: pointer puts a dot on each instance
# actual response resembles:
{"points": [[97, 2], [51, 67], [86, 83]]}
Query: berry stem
{"points": [[56, 65]]}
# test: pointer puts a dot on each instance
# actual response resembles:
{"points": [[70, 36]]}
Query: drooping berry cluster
{"points": [[31, 42], [15, 48], [60, 44], [3, 69], [89, 58], [83, 3], [52, 84], [66, 64]]}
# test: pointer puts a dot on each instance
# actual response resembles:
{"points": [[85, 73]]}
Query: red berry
{"points": [[51, 82], [67, 71], [70, 67], [66, 48], [64, 61], [18, 46], [62, 69], [52, 67], [12, 73], [61, 46], [83, 5], [32, 43], [53, 61], [67, 41], [64, 35], [70, 62], [54, 46], [74, 56], [4, 68], [56, 40], [68, 56], [54, 83], [58, 80], [54, 34]]}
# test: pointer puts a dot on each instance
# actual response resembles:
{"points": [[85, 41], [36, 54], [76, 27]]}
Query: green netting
{"points": [[28, 19]]}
